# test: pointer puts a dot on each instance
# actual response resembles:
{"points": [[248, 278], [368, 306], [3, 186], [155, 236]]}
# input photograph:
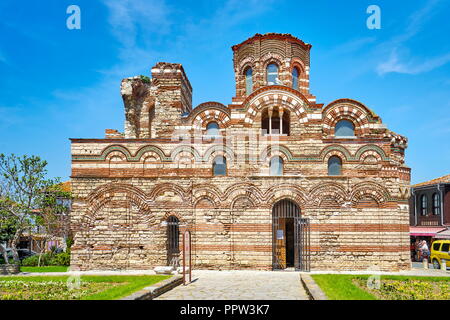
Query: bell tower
{"points": [[271, 59]]}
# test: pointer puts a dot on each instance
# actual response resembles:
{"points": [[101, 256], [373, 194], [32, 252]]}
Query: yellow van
{"points": [[440, 249]]}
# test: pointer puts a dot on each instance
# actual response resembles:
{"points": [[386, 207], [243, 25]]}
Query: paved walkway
{"points": [[239, 285]]}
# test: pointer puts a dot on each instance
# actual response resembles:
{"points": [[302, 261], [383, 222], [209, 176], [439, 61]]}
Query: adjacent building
{"points": [[430, 210]]}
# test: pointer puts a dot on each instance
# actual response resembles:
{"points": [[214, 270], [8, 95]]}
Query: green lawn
{"points": [[340, 287], [44, 269], [354, 287], [63, 288]]}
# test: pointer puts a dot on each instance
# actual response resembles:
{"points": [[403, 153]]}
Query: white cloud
{"points": [[399, 60], [129, 18], [413, 66], [137, 25], [417, 20], [351, 46]]}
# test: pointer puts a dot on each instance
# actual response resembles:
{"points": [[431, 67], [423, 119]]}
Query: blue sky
{"points": [[57, 84]]}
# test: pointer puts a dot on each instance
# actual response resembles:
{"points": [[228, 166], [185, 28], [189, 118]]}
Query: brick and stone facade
{"points": [[127, 185]]}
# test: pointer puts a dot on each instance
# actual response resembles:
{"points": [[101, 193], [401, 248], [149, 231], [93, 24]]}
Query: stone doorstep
{"points": [[159, 288], [311, 288], [169, 270], [164, 270]]}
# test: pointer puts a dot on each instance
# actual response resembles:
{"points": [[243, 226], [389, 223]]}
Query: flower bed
{"points": [[49, 290], [409, 289], [73, 287], [391, 287]]}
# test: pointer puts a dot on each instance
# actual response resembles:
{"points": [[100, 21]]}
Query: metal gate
{"points": [[302, 244], [173, 236], [282, 211]]}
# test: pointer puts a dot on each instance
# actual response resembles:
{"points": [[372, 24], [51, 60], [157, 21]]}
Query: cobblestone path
{"points": [[239, 285]]}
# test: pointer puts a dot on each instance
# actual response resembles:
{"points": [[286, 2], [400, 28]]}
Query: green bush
{"points": [[145, 79], [30, 261], [69, 243], [33, 261], [48, 259], [60, 259]]}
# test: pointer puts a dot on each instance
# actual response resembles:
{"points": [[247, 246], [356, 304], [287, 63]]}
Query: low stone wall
{"points": [[312, 289], [9, 268], [151, 292]]}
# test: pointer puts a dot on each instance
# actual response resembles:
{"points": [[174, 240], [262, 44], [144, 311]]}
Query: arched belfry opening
{"points": [[290, 237], [275, 121]]}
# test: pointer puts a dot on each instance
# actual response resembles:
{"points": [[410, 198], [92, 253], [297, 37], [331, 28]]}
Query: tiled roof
{"points": [[443, 179], [66, 186], [278, 36]]}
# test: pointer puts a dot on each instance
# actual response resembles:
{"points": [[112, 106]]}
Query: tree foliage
{"points": [[24, 192]]}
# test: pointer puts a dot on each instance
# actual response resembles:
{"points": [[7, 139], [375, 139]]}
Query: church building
{"points": [[271, 181]]}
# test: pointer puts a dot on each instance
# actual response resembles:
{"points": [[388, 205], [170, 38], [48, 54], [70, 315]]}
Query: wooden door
{"points": [[281, 242]]}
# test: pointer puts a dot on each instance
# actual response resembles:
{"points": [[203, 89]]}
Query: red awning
{"points": [[425, 231]]}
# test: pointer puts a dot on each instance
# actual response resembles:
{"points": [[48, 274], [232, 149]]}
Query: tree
{"points": [[7, 231], [53, 213], [22, 192]]}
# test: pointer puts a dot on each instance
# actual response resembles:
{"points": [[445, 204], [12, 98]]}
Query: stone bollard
{"points": [[444, 265], [425, 263]]}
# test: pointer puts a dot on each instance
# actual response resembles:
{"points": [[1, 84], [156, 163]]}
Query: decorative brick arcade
{"points": [[128, 185]]}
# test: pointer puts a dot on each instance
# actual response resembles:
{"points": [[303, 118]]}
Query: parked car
{"points": [[440, 250], [23, 253]]}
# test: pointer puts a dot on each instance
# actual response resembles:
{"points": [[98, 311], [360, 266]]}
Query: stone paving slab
{"points": [[239, 285], [412, 272]]}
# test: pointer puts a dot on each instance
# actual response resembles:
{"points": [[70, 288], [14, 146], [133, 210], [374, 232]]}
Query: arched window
{"points": [[275, 121], [272, 74], [212, 129], [220, 166], [248, 81], [334, 166], [423, 205], [344, 128], [436, 204], [295, 78], [276, 166]]}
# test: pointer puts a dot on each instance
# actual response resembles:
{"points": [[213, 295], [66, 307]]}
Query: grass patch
{"points": [[63, 288], [130, 284], [44, 269], [354, 287], [341, 287]]}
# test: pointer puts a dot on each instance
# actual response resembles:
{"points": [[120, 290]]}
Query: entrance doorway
{"points": [[173, 237], [290, 237]]}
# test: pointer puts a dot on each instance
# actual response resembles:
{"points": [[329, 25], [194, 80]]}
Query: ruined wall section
{"points": [[153, 107]]}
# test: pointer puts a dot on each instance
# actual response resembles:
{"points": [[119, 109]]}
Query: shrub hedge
{"points": [[48, 259]]}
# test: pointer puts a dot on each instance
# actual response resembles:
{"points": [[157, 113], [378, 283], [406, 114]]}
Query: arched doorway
{"points": [[290, 237], [173, 236]]}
